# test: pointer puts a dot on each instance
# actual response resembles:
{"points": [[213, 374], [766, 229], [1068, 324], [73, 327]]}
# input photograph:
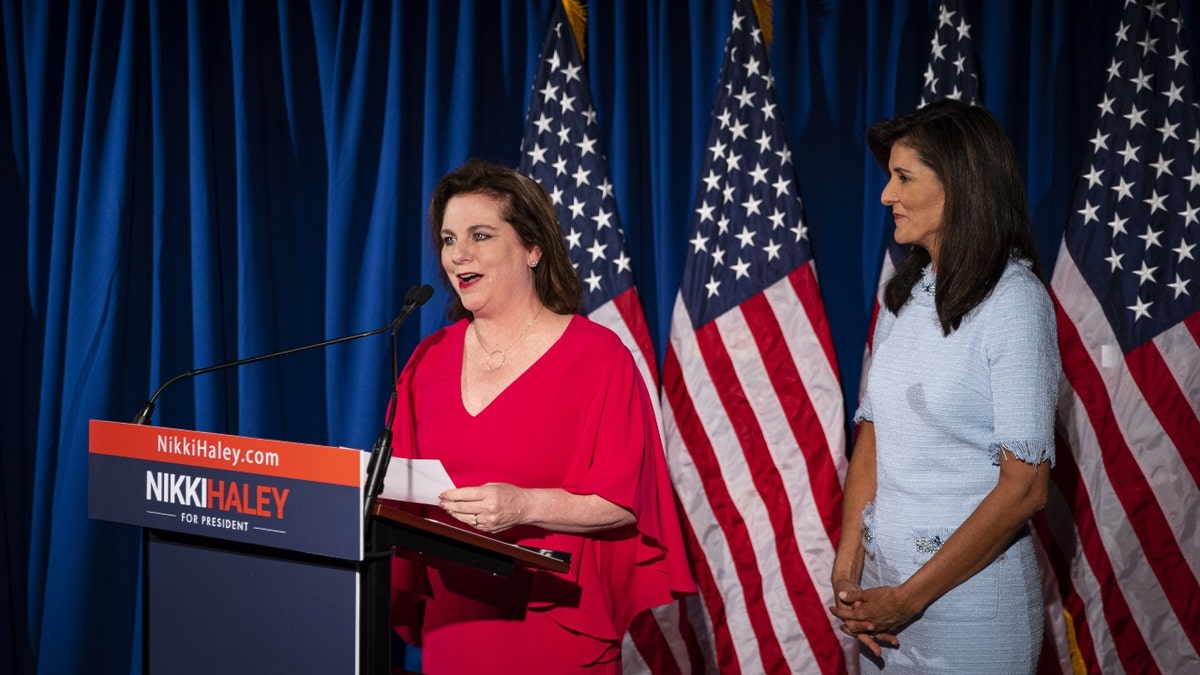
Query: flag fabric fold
{"points": [[562, 150], [752, 405], [1120, 526]]}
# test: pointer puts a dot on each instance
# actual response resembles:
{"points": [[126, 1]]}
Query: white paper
{"points": [[416, 480]]}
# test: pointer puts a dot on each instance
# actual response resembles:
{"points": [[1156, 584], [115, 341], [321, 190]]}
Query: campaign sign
{"points": [[292, 496]]}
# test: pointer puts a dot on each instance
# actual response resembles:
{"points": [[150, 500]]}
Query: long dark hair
{"points": [[527, 207], [985, 220]]}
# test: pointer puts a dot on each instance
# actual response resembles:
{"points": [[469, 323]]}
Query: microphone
{"points": [[415, 297], [381, 452]]}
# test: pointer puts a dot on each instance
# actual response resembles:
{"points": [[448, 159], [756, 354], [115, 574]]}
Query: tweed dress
{"points": [[943, 407]]}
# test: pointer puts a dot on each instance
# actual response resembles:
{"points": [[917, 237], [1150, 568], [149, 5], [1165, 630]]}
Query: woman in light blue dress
{"points": [[936, 570]]}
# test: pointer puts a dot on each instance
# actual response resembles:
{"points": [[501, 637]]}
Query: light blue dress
{"points": [[943, 406]]}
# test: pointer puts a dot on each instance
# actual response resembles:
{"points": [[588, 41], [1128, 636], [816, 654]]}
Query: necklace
{"points": [[490, 362]]}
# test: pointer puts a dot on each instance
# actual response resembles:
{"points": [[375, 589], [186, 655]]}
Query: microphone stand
{"points": [[416, 296], [381, 453]]}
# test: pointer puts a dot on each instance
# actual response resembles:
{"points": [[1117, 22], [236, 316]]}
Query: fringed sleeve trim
{"points": [[1030, 452]]}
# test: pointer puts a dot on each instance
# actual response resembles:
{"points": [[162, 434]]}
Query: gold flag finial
{"points": [[577, 17], [762, 8]]}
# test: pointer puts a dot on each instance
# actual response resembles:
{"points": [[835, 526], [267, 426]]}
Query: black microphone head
{"points": [[410, 298], [418, 295], [414, 298], [423, 294]]}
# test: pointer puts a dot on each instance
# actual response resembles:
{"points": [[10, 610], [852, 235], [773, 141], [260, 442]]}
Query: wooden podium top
{"points": [[554, 561]]}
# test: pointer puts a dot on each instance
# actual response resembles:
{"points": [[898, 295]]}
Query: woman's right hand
{"points": [[844, 588], [492, 507], [847, 596], [849, 599], [848, 563]]}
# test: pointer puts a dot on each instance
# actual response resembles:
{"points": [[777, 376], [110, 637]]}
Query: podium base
{"points": [[217, 606]]}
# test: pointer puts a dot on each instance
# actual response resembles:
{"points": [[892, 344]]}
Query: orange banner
{"points": [[318, 463]]}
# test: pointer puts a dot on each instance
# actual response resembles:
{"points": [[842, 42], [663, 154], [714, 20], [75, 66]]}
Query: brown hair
{"points": [[527, 207], [985, 221]]}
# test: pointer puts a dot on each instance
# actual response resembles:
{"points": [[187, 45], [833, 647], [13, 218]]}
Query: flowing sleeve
{"points": [[1024, 365], [410, 585], [619, 456]]}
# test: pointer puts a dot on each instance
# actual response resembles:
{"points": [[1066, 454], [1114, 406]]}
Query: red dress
{"points": [[580, 419]]}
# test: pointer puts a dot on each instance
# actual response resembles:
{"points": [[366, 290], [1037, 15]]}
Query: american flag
{"points": [[562, 151], [752, 407], [952, 73], [1122, 522]]}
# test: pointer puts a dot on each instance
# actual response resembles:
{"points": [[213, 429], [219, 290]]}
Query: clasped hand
{"points": [[873, 616], [491, 507]]}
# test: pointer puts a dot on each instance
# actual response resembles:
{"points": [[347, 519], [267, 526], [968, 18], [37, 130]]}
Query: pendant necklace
{"points": [[490, 362]]}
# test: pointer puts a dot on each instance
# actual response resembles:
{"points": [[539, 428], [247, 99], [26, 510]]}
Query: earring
{"points": [[533, 263]]}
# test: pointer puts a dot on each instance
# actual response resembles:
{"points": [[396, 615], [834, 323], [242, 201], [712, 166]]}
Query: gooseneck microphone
{"points": [[381, 452], [415, 297]]}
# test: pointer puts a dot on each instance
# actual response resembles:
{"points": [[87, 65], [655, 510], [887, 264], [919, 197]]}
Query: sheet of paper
{"points": [[415, 480]]}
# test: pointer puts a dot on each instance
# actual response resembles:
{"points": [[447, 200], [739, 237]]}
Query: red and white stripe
{"points": [[625, 317], [659, 641], [1123, 524], [754, 420]]}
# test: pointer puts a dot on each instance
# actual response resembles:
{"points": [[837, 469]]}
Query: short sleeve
{"points": [[863, 412], [883, 327], [1024, 366]]}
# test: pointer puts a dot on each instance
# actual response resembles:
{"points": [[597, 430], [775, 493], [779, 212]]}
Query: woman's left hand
{"points": [[873, 616], [491, 507]]}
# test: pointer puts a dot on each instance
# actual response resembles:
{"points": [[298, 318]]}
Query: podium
{"points": [[256, 555]]}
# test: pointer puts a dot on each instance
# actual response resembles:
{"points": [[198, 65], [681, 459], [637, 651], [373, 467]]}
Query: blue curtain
{"points": [[190, 183]]}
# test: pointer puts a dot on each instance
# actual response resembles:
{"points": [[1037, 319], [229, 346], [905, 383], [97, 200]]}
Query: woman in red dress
{"points": [[542, 417]]}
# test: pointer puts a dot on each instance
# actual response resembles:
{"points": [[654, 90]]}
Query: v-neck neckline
{"points": [[462, 347]]}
